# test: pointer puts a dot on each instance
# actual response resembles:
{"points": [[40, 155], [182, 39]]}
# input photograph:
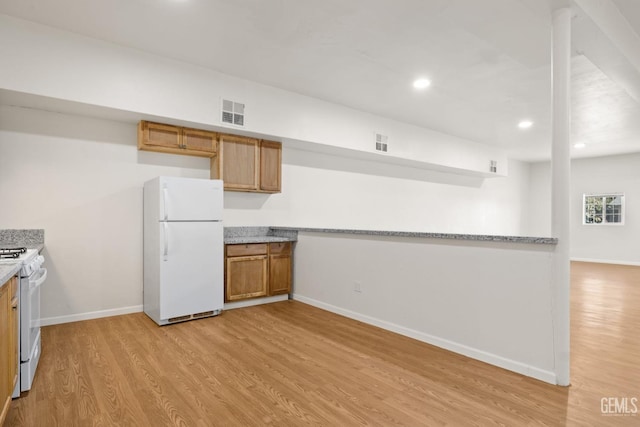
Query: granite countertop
{"points": [[245, 235], [240, 235], [9, 270], [256, 239], [14, 238], [451, 236]]}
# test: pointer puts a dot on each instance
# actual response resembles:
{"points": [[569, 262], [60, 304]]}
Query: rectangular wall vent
{"points": [[493, 166], [232, 112], [381, 142]]}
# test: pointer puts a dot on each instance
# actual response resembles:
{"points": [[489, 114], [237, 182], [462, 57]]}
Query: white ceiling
{"points": [[489, 60]]}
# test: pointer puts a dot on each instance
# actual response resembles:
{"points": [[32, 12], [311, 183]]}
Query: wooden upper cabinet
{"points": [[158, 135], [176, 139], [244, 164], [239, 162], [248, 164], [270, 166], [199, 140]]}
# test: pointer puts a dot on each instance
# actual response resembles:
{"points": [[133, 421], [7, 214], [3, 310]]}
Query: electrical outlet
{"points": [[357, 286]]}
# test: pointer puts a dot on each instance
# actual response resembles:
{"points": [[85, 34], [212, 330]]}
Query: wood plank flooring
{"points": [[289, 364]]}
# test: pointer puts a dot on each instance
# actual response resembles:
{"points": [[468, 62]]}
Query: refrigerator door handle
{"points": [[165, 196], [166, 240]]}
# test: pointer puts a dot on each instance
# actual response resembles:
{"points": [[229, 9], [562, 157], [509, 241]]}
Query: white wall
{"points": [[490, 301], [52, 63], [81, 179], [322, 190], [619, 174]]}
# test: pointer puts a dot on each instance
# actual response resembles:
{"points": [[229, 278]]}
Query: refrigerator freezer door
{"points": [[191, 273], [189, 199]]}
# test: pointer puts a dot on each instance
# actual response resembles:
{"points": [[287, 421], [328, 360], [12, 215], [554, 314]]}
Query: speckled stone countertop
{"points": [[12, 238], [450, 236], [31, 239], [8, 270], [243, 235]]}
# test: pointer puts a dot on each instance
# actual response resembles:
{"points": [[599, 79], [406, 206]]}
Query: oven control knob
{"points": [[28, 269]]}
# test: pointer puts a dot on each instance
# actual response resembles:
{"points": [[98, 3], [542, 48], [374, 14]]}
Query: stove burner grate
{"points": [[12, 252]]}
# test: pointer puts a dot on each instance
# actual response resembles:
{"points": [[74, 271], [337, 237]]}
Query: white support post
{"points": [[560, 191]]}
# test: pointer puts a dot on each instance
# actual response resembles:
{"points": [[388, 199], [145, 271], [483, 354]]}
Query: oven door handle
{"points": [[39, 280]]}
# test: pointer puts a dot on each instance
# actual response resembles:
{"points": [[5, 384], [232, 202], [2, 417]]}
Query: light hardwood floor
{"points": [[292, 364]]}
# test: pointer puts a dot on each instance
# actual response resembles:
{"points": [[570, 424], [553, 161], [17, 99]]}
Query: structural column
{"points": [[560, 187]]}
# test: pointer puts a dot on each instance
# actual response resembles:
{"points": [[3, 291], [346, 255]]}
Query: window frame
{"points": [[604, 208]]}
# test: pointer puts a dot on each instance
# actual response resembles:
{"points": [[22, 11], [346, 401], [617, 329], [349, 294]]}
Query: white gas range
{"points": [[32, 276]]}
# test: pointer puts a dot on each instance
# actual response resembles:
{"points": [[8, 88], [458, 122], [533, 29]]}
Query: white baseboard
{"points": [[492, 359], [255, 301], [607, 261], [90, 315], [138, 308]]}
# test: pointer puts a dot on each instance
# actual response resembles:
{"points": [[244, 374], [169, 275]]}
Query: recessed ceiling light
{"points": [[421, 83], [525, 124], [579, 145]]}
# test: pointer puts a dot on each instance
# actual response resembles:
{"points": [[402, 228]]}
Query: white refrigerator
{"points": [[183, 249]]}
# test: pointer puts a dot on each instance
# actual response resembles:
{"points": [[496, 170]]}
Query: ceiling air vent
{"points": [[232, 112], [381, 142]]}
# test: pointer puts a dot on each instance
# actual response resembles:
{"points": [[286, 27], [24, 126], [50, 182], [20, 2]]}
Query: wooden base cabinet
{"points": [[8, 344], [257, 270], [279, 268]]}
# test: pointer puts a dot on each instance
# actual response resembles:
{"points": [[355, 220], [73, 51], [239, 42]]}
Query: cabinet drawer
{"points": [[248, 249], [280, 248]]}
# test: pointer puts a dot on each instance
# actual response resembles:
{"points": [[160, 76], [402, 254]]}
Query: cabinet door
{"points": [[239, 162], [159, 135], [246, 277], [5, 352], [279, 274], [270, 166], [199, 140]]}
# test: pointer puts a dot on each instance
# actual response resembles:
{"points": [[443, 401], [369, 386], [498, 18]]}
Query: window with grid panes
{"points": [[602, 209]]}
